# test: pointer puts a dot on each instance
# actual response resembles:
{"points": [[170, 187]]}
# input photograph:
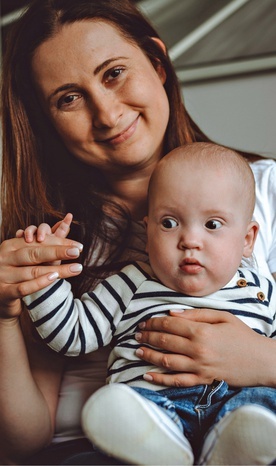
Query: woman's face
{"points": [[104, 97]]}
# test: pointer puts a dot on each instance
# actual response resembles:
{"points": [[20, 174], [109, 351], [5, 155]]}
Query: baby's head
{"points": [[199, 223]]}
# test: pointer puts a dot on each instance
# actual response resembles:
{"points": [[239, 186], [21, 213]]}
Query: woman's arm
{"points": [[29, 390], [206, 345], [29, 375]]}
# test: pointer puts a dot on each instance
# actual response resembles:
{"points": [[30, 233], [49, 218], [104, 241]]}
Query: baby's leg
{"points": [[246, 431], [127, 426]]}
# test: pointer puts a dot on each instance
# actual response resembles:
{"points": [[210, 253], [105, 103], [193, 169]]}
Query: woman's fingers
{"points": [[31, 273], [167, 325], [174, 380], [31, 286], [17, 252], [164, 341], [202, 346], [208, 316]]}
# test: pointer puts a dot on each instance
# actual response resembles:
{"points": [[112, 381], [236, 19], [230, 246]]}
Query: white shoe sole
{"points": [[246, 436], [123, 424]]}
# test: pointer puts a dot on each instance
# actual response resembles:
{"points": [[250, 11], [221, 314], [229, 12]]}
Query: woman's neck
{"points": [[131, 192]]}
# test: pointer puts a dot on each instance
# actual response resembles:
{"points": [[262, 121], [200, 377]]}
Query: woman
{"points": [[90, 104]]}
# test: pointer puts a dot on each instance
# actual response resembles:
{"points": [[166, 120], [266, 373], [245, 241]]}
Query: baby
{"points": [[199, 229]]}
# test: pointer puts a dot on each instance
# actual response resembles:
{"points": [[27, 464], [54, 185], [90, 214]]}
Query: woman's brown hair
{"points": [[41, 180]]}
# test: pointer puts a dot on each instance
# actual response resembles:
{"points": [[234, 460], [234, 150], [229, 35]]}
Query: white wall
{"points": [[236, 111]]}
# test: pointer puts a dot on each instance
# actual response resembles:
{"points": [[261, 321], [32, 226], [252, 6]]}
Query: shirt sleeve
{"points": [[76, 326]]}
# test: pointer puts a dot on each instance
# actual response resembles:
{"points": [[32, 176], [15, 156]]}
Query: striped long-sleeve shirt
{"points": [[111, 313]]}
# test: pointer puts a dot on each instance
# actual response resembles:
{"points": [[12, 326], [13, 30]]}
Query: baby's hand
{"points": [[60, 229]]}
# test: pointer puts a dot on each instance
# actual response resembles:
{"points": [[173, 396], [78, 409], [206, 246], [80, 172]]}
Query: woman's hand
{"points": [[204, 345], [27, 267]]}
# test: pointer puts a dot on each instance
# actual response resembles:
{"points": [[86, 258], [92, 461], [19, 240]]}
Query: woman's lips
{"points": [[124, 135]]}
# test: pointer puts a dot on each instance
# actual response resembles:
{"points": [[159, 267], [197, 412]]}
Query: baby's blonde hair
{"points": [[213, 155]]}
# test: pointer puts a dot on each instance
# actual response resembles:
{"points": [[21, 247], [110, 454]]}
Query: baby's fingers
{"points": [[62, 228], [29, 233]]}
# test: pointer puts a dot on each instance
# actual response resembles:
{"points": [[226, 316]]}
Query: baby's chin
{"points": [[191, 287]]}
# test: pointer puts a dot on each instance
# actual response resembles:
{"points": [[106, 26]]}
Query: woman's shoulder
{"points": [[264, 171], [263, 167]]}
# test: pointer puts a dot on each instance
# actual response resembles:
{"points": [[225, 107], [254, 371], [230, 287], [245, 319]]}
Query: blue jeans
{"points": [[197, 409]]}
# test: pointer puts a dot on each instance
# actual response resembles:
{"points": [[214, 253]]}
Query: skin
{"points": [[100, 103], [195, 247]]}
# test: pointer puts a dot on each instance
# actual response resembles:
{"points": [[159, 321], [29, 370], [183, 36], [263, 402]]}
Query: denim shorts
{"points": [[195, 410]]}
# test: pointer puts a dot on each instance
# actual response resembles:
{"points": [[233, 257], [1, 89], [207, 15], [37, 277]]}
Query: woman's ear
{"points": [[160, 68], [250, 238], [160, 43]]}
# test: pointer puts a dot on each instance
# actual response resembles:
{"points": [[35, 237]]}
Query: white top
{"points": [[265, 214], [84, 375]]}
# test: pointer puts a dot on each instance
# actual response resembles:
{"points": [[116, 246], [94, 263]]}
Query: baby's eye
{"points": [[213, 224], [169, 223]]}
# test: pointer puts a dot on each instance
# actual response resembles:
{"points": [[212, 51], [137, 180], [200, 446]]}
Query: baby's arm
{"points": [[74, 326]]}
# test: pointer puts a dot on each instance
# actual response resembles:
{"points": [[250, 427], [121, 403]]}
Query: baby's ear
{"points": [[250, 238]]}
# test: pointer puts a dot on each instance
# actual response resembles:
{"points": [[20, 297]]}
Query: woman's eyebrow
{"points": [[106, 63], [62, 88]]}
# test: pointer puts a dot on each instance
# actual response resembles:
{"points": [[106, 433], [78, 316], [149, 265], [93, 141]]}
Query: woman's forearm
{"points": [[29, 375], [26, 424]]}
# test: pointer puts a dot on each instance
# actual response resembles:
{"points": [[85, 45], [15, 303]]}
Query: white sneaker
{"points": [[123, 424], [246, 436]]}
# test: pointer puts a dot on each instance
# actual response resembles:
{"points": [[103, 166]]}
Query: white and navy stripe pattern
{"points": [[110, 314]]}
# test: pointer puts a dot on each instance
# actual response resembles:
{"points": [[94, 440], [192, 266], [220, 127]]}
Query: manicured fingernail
{"points": [[73, 252], [142, 325], [139, 353], [53, 276], [148, 377], [75, 268], [138, 336], [79, 246]]}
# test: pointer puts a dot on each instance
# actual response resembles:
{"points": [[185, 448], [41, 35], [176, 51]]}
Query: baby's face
{"points": [[197, 229]]}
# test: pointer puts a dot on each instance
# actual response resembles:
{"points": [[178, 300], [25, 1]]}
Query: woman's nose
{"points": [[106, 111]]}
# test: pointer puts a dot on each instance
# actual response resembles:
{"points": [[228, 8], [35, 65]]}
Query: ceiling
{"points": [[200, 33], [7, 6]]}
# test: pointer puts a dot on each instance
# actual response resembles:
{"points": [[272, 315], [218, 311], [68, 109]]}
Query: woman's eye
{"points": [[113, 74], [68, 99], [213, 224], [169, 223]]}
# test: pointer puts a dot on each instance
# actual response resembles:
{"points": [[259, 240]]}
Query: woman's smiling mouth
{"points": [[124, 135]]}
